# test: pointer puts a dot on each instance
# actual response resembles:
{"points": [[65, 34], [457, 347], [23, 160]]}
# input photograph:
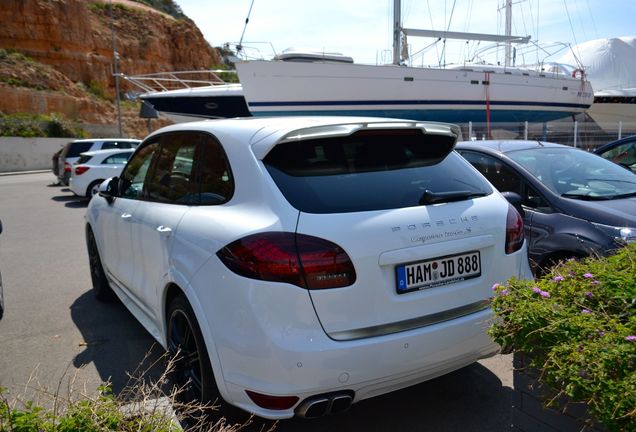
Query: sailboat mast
{"points": [[508, 31], [397, 29]]}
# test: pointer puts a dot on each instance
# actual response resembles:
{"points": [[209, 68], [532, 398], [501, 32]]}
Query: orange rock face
{"points": [[75, 38]]}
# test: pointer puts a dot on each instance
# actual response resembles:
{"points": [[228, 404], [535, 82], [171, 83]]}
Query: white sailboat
{"points": [[477, 93]]}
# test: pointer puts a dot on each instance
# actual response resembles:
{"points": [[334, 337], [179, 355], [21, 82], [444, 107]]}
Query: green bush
{"points": [[579, 324], [33, 125]]}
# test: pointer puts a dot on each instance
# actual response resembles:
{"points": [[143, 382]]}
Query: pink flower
{"points": [[544, 294], [558, 278], [588, 275], [586, 311], [495, 286], [630, 338], [536, 290], [589, 294]]}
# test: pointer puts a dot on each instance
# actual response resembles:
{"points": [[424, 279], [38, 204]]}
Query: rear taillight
{"points": [[81, 169], [302, 260], [67, 167], [514, 230]]}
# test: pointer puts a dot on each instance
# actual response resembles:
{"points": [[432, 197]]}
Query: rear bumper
{"points": [[266, 338], [367, 367]]}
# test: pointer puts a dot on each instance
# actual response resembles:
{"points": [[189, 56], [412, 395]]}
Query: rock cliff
{"points": [[68, 45]]}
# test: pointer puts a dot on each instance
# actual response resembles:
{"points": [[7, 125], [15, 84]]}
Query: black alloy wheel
{"points": [[192, 374], [101, 287]]}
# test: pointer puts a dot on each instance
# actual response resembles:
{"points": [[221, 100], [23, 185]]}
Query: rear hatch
{"points": [[421, 227]]}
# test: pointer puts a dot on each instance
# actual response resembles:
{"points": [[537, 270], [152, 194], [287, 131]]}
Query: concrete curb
{"points": [[25, 172]]}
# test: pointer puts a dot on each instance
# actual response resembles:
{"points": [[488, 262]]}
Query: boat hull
{"points": [[450, 95], [219, 101], [612, 107]]}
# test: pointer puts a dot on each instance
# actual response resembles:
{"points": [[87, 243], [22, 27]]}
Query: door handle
{"points": [[164, 230], [126, 216]]}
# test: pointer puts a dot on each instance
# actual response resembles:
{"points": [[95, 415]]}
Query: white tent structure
{"points": [[610, 65]]}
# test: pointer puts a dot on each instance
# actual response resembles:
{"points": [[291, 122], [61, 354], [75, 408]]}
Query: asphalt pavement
{"points": [[56, 337]]}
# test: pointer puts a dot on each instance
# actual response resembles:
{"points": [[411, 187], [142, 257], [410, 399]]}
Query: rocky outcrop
{"points": [[75, 38]]}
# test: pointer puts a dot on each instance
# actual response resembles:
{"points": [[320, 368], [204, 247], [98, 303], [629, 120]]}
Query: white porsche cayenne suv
{"points": [[298, 265]]}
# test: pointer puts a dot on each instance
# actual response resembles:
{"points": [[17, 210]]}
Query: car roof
{"points": [[505, 146], [107, 152], [105, 140], [263, 133]]}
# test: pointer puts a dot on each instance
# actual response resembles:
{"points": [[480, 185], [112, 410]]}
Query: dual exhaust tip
{"points": [[322, 405]]}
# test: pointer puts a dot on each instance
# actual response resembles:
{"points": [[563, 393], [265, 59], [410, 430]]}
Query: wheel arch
{"points": [[172, 291]]}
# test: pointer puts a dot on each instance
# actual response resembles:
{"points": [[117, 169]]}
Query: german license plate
{"points": [[438, 271]]}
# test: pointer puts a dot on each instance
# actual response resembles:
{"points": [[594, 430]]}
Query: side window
{"points": [[216, 185], [624, 154], [117, 159], [109, 145], [133, 176], [171, 179], [535, 200], [500, 175]]}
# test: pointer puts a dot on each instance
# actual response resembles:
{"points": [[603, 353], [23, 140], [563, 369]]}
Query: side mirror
{"points": [[109, 189], [515, 199], [0, 227]]}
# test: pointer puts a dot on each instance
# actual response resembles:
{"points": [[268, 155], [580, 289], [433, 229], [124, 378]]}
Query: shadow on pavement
{"points": [[115, 342], [470, 399]]}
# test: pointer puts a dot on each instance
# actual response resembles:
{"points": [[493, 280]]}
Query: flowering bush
{"points": [[579, 324]]}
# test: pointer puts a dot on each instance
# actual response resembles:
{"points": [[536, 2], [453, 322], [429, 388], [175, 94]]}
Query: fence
{"points": [[580, 132]]}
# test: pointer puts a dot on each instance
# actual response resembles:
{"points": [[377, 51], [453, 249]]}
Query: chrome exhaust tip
{"points": [[322, 405]]}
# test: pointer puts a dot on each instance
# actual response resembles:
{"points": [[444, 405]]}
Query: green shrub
{"points": [[579, 324], [33, 125]]}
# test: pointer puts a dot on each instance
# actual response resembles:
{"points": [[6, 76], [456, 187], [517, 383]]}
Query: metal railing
{"points": [[583, 133], [163, 81]]}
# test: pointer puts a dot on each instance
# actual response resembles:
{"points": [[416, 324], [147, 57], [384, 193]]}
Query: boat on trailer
{"points": [[477, 93]]}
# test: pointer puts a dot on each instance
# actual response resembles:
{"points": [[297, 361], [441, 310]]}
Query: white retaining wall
{"points": [[28, 154]]}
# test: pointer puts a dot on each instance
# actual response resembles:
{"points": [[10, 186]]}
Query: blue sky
{"points": [[362, 28]]}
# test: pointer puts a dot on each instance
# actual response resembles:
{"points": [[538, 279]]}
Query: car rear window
{"points": [[369, 171], [83, 159], [76, 148]]}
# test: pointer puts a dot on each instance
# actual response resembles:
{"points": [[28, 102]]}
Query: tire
{"points": [[93, 188], [192, 375], [101, 288]]}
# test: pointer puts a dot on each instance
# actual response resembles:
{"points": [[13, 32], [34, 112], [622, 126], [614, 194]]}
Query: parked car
{"points": [[71, 152], [622, 152], [1, 293], [297, 265], [575, 203], [92, 168]]}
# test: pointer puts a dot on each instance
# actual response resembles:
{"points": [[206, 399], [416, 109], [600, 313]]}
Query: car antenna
{"points": [[539, 142]]}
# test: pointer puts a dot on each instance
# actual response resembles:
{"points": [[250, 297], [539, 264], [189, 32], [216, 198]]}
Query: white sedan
{"points": [[294, 266], [93, 167]]}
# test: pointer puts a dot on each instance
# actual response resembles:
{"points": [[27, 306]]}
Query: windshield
{"points": [[575, 173]]}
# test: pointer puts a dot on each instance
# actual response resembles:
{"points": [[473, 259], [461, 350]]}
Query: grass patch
{"points": [[143, 406]]}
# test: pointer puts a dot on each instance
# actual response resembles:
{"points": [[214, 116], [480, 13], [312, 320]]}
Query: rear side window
{"points": [[117, 159], [108, 145], [369, 170]]}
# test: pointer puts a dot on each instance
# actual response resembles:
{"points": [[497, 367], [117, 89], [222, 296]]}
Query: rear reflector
{"points": [[67, 167], [302, 260], [272, 402]]}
